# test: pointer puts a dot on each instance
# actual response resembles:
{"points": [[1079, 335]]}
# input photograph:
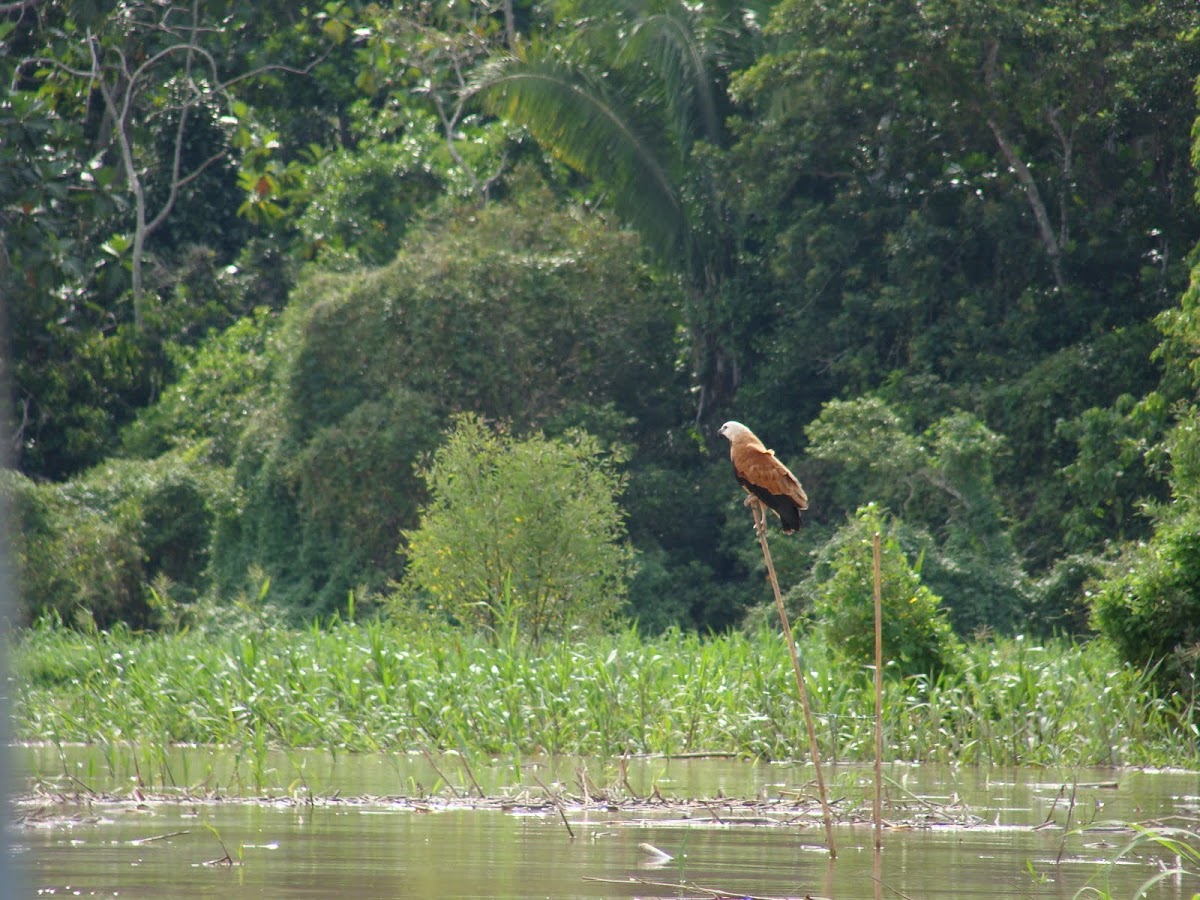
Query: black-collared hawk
{"points": [[764, 477]]}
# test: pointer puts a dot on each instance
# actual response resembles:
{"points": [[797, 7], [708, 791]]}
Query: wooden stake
{"points": [[878, 694], [760, 526]]}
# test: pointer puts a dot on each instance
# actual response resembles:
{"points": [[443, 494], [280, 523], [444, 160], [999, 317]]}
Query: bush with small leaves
{"points": [[520, 536]]}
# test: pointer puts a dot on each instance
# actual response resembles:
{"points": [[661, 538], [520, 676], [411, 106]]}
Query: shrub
{"points": [[99, 548], [219, 387], [939, 480], [1149, 605], [72, 560], [917, 637], [520, 535]]}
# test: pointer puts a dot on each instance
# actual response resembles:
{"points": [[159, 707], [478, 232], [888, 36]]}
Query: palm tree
{"points": [[628, 99]]}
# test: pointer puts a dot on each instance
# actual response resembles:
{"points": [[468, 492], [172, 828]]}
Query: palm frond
{"points": [[570, 113], [674, 45]]}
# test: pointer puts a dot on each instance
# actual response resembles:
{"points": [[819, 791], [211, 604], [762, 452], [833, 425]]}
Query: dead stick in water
{"points": [[471, 775], [429, 759], [625, 777], [759, 512], [157, 837], [556, 799], [563, 816], [1053, 806], [1062, 846], [691, 886], [712, 812]]}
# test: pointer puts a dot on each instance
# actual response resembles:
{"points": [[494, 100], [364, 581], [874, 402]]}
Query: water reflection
{"points": [[382, 849]]}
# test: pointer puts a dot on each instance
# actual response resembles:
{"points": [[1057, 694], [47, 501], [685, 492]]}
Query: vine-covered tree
{"points": [[1148, 601]]}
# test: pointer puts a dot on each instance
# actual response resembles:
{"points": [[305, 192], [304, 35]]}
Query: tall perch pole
{"points": [[771, 485], [760, 527]]}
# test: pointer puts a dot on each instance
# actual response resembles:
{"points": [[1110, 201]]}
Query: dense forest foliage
{"points": [[257, 257]]}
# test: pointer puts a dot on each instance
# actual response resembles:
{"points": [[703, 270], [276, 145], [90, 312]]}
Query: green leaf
{"points": [[117, 245], [571, 112]]}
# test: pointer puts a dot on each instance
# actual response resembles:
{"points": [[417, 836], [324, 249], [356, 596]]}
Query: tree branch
{"points": [[1023, 175], [180, 129], [21, 6], [1034, 197], [121, 84], [456, 53]]}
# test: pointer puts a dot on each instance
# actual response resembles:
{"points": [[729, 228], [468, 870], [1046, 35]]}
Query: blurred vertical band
{"points": [[12, 881]]}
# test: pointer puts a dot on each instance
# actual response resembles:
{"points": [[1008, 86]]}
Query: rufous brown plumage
{"points": [[765, 477]]}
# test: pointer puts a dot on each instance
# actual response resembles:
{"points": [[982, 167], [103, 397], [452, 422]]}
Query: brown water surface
{"points": [[117, 822]]}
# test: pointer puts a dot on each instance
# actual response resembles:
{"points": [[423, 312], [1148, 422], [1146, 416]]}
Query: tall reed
{"points": [[374, 685]]}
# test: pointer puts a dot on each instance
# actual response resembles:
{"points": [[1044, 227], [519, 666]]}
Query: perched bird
{"points": [[764, 477]]}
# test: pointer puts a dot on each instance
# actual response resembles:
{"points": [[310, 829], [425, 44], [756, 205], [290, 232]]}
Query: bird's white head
{"points": [[734, 430]]}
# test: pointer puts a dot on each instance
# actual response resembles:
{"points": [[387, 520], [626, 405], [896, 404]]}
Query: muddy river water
{"points": [[203, 822]]}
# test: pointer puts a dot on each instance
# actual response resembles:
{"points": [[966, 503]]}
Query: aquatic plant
{"points": [[376, 685], [1179, 846]]}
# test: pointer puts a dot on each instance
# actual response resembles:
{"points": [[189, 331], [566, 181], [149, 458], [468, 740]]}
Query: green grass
{"points": [[379, 686]]}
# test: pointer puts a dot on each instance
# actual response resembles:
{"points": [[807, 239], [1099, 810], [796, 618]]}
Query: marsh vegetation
{"points": [[375, 685]]}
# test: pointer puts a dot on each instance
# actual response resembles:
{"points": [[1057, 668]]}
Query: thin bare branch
{"points": [[759, 510], [50, 63], [1066, 143], [177, 180], [177, 184], [276, 67], [18, 434]]}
